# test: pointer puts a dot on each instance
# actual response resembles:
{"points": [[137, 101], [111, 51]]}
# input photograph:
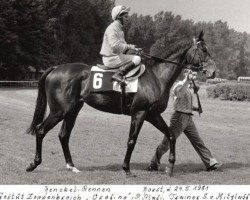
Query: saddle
{"points": [[132, 74], [101, 78]]}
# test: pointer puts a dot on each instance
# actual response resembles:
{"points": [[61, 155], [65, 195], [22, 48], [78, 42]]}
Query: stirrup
{"points": [[120, 81], [123, 83]]}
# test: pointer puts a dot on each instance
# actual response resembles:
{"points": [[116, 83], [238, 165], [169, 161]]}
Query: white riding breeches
{"points": [[115, 60]]}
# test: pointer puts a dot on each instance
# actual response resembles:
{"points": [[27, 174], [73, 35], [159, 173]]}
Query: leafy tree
{"points": [[140, 31], [172, 34], [25, 37], [79, 26], [41, 33], [241, 68]]}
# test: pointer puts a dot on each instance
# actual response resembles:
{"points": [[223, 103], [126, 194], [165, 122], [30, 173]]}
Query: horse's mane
{"points": [[178, 50], [175, 52]]}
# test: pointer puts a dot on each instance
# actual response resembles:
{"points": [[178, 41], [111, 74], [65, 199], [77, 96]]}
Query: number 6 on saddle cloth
{"points": [[101, 79]]}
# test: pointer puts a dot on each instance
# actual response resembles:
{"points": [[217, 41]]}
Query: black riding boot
{"points": [[122, 71]]}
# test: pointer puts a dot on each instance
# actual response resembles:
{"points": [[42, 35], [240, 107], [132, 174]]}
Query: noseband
{"points": [[199, 66]]}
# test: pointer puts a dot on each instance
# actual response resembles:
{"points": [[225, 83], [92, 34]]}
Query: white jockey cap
{"points": [[118, 10]]}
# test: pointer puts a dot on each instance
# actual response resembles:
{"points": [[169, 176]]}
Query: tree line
{"points": [[42, 33]]}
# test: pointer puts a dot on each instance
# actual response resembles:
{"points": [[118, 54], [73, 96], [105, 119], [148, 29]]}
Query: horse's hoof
{"points": [[130, 175], [73, 169], [30, 168]]}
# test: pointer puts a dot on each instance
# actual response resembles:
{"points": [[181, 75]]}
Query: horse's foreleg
{"points": [[64, 136], [42, 130], [161, 125], [137, 120]]}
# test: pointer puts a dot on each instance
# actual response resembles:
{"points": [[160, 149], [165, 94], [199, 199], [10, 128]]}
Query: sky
{"points": [[235, 12]]}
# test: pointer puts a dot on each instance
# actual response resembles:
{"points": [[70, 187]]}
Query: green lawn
{"points": [[98, 145]]}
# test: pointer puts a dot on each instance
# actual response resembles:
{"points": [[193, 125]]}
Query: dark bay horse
{"points": [[66, 88]]}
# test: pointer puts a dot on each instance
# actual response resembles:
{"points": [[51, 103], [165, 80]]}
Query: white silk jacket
{"points": [[113, 40]]}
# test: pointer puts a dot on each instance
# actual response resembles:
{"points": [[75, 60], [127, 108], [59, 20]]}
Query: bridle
{"points": [[190, 65], [201, 62]]}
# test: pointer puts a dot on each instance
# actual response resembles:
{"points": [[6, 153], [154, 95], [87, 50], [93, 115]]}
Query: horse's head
{"points": [[199, 58]]}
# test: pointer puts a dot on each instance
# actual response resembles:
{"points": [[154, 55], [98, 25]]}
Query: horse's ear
{"points": [[194, 41], [200, 38]]}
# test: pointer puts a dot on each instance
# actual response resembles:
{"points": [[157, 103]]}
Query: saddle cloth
{"points": [[101, 79]]}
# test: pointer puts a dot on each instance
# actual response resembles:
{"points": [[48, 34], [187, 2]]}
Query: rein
{"points": [[160, 59], [198, 99], [163, 60]]}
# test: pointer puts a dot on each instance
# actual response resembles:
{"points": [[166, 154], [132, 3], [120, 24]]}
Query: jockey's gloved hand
{"points": [[131, 46], [138, 51]]}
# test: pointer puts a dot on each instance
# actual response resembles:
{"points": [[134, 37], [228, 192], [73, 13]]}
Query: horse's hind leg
{"points": [[64, 135], [50, 122]]}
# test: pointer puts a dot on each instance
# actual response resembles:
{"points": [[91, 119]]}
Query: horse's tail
{"points": [[41, 104]]}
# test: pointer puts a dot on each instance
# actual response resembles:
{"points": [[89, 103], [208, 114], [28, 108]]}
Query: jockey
{"points": [[114, 45]]}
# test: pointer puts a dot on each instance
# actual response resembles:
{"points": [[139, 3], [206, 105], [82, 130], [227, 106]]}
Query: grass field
{"points": [[98, 145]]}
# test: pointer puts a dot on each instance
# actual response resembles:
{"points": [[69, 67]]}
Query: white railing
{"points": [[216, 80], [243, 79]]}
